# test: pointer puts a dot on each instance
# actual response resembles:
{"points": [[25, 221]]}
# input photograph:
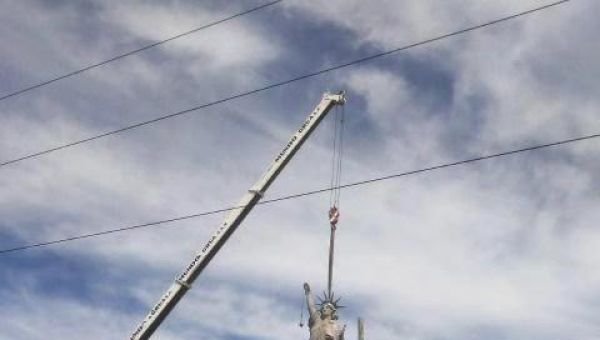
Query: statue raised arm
{"points": [[312, 307]]}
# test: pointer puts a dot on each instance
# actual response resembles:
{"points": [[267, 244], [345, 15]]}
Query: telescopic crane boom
{"points": [[184, 282]]}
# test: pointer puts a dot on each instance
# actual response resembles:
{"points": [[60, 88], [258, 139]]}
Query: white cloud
{"points": [[501, 249], [234, 44]]}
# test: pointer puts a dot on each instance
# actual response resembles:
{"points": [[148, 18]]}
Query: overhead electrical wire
{"points": [[307, 193], [285, 82], [138, 50]]}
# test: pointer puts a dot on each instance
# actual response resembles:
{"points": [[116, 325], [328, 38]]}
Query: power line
{"points": [[138, 50], [274, 85], [307, 193]]}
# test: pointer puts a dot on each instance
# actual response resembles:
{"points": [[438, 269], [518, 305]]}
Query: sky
{"points": [[499, 249]]}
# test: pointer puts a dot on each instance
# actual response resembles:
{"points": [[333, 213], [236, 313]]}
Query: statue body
{"points": [[322, 322]]}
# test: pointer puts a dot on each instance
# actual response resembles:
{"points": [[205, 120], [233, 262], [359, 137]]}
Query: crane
{"points": [[184, 282]]}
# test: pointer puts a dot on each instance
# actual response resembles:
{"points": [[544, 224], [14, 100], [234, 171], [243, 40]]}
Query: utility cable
{"points": [[307, 193], [285, 82], [138, 50]]}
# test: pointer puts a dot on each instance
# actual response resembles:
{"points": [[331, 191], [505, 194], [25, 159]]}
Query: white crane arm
{"points": [[183, 283]]}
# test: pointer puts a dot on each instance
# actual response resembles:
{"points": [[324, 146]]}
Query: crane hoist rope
{"points": [[334, 203], [334, 198], [337, 155]]}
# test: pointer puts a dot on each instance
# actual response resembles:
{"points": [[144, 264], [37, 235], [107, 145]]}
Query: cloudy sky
{"points": [[501, 249]]}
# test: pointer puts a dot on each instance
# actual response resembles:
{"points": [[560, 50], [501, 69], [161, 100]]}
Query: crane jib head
{"points": [[307, 123]]}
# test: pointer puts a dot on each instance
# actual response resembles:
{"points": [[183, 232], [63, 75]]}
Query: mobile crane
{"points": [[183, 283]]}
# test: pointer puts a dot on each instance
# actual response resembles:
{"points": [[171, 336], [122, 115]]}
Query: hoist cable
{"points": [[330, 264], [337, 154], [334, 207], [332, 182], [340, 156]]}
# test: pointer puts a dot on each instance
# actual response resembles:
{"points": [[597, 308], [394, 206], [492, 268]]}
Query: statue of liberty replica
{"points": [[323, 320]]}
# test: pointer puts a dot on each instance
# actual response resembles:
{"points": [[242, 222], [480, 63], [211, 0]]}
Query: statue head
{"points": [[328, 311]]}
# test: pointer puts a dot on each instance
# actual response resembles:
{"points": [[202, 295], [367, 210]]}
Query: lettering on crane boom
{"points": [[182, 277], [152, 312], [198, 257], [295, 137]]}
